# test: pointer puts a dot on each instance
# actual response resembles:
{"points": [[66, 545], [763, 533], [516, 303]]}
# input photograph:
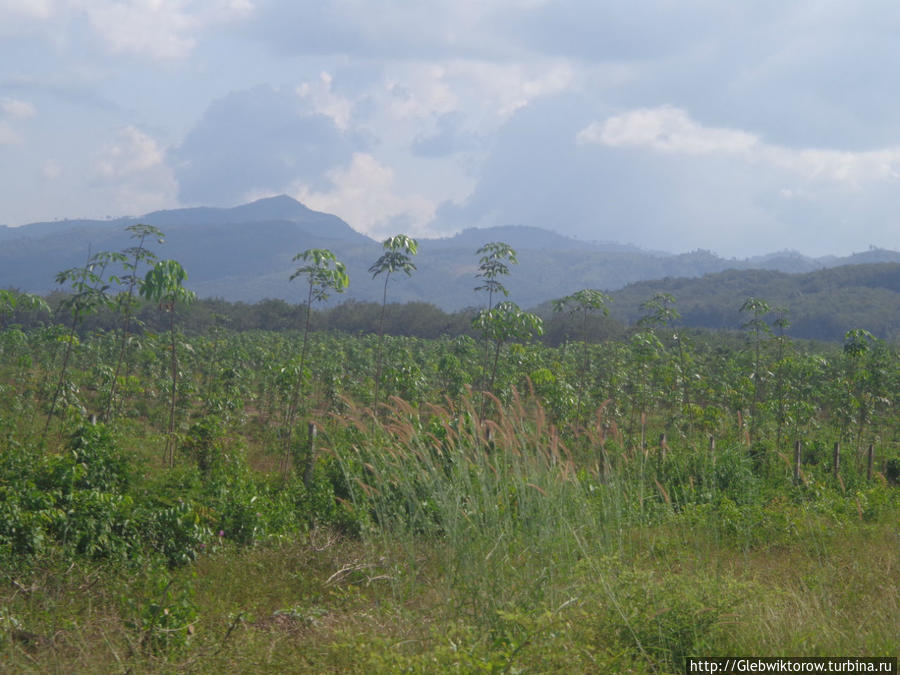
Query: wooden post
{"points": [[310, 457], [663, 446], [797, 448], [712, 448], [870, 462], [837, 458]]}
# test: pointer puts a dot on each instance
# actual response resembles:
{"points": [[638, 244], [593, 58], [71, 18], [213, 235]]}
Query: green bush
{"points": [[92, 461], [177, 532]]}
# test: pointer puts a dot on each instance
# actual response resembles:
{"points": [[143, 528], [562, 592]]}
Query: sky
{"points": [[742, 127]]}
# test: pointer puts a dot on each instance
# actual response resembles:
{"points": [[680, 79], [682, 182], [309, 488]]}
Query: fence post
{"points": [[663, 446], [797, 448], [712, 448], [837, 458]]}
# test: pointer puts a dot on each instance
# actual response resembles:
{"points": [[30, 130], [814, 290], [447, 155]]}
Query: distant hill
{"points": [[222, 249], [245, 253], [823, 304]]}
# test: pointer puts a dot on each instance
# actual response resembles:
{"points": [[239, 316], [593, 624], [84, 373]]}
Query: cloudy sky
{"points": [[741, 127]]}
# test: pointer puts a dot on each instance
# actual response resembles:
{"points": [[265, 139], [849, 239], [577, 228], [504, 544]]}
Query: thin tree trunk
{"points": [[298, 386], [487, 355], [378, 361], [126, 324], [62, 376], [170, 440], [687, 388], [493, 375]]}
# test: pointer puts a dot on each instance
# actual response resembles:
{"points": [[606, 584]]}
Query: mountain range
{"points": [[245, 254]]}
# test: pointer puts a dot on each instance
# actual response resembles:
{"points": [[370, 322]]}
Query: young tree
{"points": [[759, 328], [397, 257], [136, 256], [496, 257], [89, 292], [585, 302], [164, 284], [504, 323], [867, 374], [661, 313], [324, 273], [782, 323]]}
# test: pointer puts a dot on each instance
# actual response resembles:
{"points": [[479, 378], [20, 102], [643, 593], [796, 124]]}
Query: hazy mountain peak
{"points": [[280, 207]]}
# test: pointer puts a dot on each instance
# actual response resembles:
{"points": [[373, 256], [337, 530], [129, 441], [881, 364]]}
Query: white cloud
{"points": [[21, 110], [133, 168], [510, 87], [666, 129], [419, 92], [132, 152], [364, 195], [670, 130], [486, 88], [325, 101], [8, 135], [161, 29]]}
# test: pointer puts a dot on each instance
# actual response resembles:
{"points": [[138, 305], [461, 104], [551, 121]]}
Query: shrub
{"points": [[177, 532], [93, 461]]}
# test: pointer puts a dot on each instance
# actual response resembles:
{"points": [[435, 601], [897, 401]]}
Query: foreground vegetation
{"points": [[320, 502]]}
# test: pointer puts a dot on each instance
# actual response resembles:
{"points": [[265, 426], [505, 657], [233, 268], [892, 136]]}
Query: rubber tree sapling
{"points": [[324, 274], [496, 257], [164, 284], [89, 292], [867, 376], [782, 323], [504, 323], [661, 314], [397, 257], [584, 302], [494, 263], [758, 327], [135, 257]]}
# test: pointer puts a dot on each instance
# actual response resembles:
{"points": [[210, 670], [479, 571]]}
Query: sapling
{"points": [[496, 257], [136, 256], [89, 292], [324, 273], [584, 302], [397, 257], [758, 327], [164, 284], [504, 323]]}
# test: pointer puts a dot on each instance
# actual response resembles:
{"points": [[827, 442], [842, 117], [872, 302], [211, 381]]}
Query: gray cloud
{"points": [[261, 140]]}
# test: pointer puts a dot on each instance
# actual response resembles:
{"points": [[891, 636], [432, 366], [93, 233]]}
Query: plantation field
{"points": [[607, 507], [308, 501]]}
